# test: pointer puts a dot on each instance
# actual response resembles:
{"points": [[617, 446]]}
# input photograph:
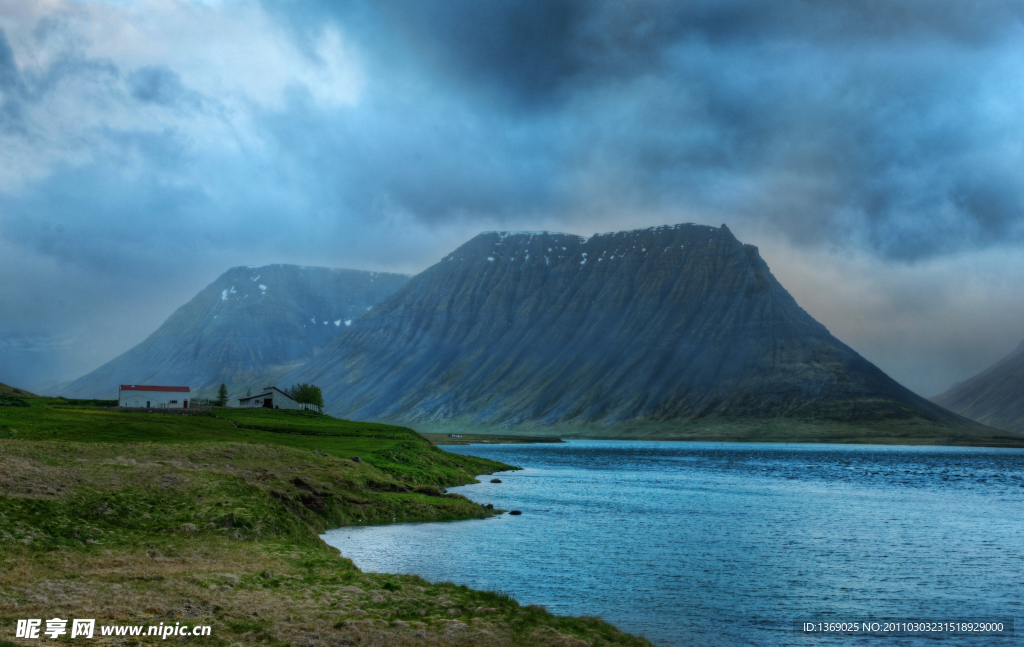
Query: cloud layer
{"points": [[146, 147]]}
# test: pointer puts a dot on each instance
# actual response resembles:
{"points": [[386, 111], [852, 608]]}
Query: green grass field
{"points": [[395, 450], [213, 519]]}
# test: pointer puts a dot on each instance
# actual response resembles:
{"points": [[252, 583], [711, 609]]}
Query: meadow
{"points": [[213, 518]]}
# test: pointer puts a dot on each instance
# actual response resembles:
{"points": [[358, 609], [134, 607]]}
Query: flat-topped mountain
{"points": [[251, 324], [994, 397], [659, 329]]}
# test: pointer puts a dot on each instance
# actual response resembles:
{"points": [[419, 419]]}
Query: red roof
{"points": [[141, 387]]}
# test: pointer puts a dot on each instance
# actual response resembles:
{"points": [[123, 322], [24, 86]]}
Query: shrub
{"points": [[429, 490], [307, 394]]}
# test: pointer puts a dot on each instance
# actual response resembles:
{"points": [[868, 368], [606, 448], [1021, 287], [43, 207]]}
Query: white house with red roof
{"points": [[144, 396]]}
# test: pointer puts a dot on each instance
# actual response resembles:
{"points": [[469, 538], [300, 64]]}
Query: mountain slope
{"points": [[11, 392], [665, 325], [251, 324], [993, 397]]}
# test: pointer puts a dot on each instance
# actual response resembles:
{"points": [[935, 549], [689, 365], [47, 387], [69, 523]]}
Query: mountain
{"points": [[658, 332], [994, 397], [250, 325], [11, 392]]}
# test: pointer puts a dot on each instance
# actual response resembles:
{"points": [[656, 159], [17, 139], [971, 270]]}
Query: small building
{"points": [[273, 398], [142, 396]]}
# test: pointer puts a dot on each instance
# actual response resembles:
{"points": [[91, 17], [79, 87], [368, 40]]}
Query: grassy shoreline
{"points": [[488, 439], [914, 431], [135, 518]]}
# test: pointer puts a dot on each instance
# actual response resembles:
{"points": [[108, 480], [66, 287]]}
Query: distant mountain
{"points": [[655, 329], [250, 325], [11, 392], [994, 397]]}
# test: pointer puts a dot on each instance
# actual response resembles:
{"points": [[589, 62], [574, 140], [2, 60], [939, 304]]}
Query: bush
{"points": [[429, 490], [77, 402], [307, 394]]}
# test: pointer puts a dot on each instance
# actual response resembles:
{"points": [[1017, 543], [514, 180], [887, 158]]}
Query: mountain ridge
{"points": [[251, 325]]}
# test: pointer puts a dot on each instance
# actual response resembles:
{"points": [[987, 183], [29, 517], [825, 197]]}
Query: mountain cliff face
{"points": [[675, 323], [251, 323], [994, 397]]}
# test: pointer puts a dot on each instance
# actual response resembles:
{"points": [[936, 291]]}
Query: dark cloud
{"points": [[522, 50], [9, 76], [156, 84], [535, 49], [10, 87], [839, 123]]}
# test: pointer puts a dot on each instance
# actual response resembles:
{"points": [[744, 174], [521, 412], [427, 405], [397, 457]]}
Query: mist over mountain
{"points": [[994, 397], [670, 324], [251, 324]]}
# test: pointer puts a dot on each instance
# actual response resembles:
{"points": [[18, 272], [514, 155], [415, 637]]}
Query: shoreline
{"points": [[488, 439], [900, 432], [605, 506]]}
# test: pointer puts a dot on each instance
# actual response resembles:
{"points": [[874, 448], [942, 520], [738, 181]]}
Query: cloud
{"points": [[891, 130], [839, 123]]}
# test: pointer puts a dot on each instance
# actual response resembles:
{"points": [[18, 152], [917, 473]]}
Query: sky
{"points": [[873, 151]]}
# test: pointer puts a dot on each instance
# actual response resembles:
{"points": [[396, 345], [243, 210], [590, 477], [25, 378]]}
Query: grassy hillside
{"points": [[213, 519], [11, 392]]}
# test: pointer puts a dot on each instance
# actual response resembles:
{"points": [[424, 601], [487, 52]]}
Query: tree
{"points": [[306, 393], [222, 396]]}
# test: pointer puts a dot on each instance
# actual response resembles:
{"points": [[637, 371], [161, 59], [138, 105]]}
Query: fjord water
{"points": [[732, 544]]}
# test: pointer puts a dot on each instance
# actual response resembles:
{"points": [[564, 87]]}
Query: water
{"points": [[726, 545]]}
